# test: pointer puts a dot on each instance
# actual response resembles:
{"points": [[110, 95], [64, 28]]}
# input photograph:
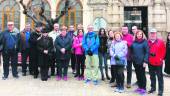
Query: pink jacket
{"points": [[129, 39], [78, 49]]}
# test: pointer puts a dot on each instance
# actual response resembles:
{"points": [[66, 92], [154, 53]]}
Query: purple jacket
{"points": [[78, 49], [120, 49]]}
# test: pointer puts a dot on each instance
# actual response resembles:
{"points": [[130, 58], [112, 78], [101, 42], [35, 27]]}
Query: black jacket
{"points": [[167, 58], [45, 43], [103, 44], [33, 44], [63, 42]]}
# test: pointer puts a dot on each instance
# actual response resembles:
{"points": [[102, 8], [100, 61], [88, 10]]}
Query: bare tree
{"points": [[48, 22]]}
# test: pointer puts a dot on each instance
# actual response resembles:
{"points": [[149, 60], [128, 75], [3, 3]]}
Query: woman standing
{"points": [[167, 58], [109, 42], [79, 53], [45, 49], [118, 52], [63, 53], [140, 51], [103, 53]]}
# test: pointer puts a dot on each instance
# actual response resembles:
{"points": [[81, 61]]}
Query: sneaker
{"points": [[87, 81], [16, 76], [65, 78], [128, 86], [24, 74], [151, 91], [82, 77], [137, 90], [58, 78], [160, 94], [78, 78], [116, 89], [121, 90], [142, 91], [4, 78], [95, 82]]}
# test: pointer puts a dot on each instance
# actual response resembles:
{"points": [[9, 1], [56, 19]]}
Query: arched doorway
{"points": [[74, 16], [35, 6], [9, 11]]}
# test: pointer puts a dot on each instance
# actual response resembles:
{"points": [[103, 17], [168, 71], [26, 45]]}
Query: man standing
{"points": [[71, 34], [33, 48], [129, 39], [10, 40], [24, 47], [90, 44], [157, 52], [54, 34]]}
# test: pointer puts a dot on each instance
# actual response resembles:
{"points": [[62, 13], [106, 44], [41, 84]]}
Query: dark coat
{"points": [[63, 42], [45, 43], [140, 52], [33, 44], [22, 41], [4, 40], [103, 44], [167, 59]]}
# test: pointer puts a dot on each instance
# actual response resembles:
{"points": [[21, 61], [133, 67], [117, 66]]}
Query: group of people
{"points": [[88, 52]]}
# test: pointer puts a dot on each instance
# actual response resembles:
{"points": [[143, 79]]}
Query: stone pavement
{"points": [[27, 86]]}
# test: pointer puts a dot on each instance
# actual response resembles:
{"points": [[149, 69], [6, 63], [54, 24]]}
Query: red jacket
{"points": [[158, 48]]}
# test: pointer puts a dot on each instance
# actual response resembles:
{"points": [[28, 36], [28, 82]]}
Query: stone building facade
{"points": [[110, 14]]}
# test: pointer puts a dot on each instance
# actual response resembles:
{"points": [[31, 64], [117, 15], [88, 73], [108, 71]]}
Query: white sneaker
{"points": [[116, 89], [121, 90]]}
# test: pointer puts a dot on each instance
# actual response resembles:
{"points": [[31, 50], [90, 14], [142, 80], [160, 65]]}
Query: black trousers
{"points": [[113, 73], [25, 54], [52, 63], [153, 72], [73, 61], [140, 74], [10, 55], [34, 62], [119, 76], [129, 72], [44, 66], [80, 65], [63, 67]]}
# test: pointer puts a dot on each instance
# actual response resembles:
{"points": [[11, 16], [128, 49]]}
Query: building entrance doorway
{"points": [[137, 16]]}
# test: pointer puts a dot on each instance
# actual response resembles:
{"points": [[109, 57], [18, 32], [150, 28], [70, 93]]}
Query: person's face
{"points": [[139, 35], [110, 33], [102, 32], [56, 27], [38, 29], [71, 28], [28, 27], [168, 36], [152, 35], [79, 26], [125, 30], [134, 30], [90, 28], [10, 26], [80, 33], [63, 32], [117, 37]]}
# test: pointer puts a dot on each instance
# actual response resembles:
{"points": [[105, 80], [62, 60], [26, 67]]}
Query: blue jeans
{"points": [[103, 57]]}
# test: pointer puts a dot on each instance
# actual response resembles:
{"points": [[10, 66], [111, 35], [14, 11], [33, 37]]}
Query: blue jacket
{"points": [[140, 52], [120, 49], [91, 41], [10, 40]]}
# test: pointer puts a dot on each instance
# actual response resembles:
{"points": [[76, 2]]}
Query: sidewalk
{"points": [[27, 86]]}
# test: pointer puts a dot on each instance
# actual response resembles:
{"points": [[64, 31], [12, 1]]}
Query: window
{"points": [[74, 16], [9, 11], [35, 6]]}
